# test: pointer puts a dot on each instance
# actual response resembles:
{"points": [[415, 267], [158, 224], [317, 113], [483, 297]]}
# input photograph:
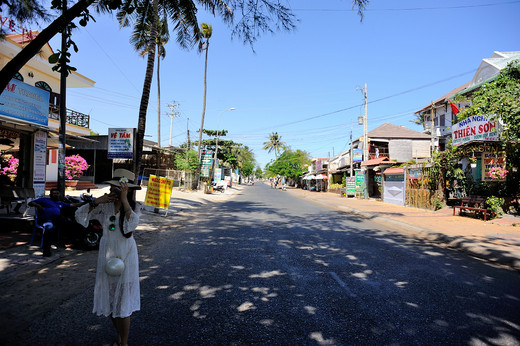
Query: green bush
{"points": [[336, 186], [495, 204]]}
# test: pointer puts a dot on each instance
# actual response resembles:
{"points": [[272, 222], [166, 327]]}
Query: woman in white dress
{"points": [[116, 296]]}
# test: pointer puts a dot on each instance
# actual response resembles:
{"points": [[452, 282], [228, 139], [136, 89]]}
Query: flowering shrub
{"points": [[75, 165], [498, 173], [495, 204], [11, 169]]}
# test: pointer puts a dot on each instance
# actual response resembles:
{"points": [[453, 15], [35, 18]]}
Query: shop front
{"points": [[24, 113]]}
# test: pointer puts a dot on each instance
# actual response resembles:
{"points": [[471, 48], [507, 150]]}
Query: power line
{"points": [[406, 9]]}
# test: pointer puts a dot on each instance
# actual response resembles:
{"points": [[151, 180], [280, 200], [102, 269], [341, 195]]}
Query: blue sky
{"points": [[306, 84]]}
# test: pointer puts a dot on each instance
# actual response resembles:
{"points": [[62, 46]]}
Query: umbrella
{"points": [[309, 177], [319, 177]]}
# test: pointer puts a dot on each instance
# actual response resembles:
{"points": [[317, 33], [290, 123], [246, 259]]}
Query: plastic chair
{"points": [[47, 226]]}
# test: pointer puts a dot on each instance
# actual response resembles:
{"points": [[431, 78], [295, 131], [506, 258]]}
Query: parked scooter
{"points": [[89, 237], [219, 187]]}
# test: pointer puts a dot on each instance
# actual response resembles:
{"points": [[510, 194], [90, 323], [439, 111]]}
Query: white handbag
{"points": [[114, 266]]}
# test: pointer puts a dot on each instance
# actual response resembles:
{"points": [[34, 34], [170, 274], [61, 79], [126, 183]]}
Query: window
{"points": [[443, 120], [18, 76], [43, 85]]}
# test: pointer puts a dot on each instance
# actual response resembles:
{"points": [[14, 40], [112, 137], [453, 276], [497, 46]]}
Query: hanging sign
{"points": [[120, 143], [158, 192], [357, 155], [475, 128]]}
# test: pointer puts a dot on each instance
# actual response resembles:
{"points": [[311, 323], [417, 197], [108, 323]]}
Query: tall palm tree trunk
{"points": [[141, 123], [203, 100], [158, 103]]}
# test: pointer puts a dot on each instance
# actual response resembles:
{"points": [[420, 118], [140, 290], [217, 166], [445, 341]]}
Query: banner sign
{"points": [[40, 161], [475, 128], [120, 143], [25, 102], [493, 162], [158, 192], [206, 158], [351, 186], [357, 155]]}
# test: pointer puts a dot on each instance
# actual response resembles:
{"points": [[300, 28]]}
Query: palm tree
{"points": [[140, 39], [206, 32], [256, 18], [274, 143]]}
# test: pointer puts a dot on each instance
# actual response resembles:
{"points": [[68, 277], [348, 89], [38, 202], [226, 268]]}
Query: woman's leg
{"points": [[116, 325], [123, 329]]}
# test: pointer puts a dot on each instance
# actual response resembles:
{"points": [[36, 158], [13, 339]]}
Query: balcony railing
{"points": [[73, 117]]}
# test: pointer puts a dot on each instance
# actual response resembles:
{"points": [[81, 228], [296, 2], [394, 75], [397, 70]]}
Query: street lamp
{"points": [[216, 144]]}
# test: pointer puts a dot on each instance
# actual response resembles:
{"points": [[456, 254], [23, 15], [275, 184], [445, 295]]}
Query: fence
{"points": [[181, 179], [419, 191]]}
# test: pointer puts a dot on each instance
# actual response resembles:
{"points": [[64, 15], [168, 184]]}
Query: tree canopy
{"points": [[290, 164], [499, 98]]}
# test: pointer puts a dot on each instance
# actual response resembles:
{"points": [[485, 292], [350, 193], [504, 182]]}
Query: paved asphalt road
{"points": [[270, 269]]}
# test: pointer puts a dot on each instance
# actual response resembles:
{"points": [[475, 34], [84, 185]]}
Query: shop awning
{"points": [[394, 170], [378, 161]]}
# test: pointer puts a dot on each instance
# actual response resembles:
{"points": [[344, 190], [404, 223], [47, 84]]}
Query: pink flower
{"points": [[498, 173], [75, 165]]}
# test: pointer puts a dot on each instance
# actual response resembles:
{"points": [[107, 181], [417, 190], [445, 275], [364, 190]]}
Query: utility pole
{"points": [[351, 160], [432, 142], [172, 115], [365, 137], [62, 146]]}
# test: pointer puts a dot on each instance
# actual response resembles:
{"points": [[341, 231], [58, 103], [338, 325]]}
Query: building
{"points": [[29, 114]]}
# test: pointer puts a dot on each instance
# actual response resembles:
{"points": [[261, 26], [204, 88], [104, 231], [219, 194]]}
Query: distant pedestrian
{"points": [[116, 295]]}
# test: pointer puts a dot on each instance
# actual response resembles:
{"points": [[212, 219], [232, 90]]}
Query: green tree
{"points": [[190, 163], [274, 143], [500, 98], [290, 164]]}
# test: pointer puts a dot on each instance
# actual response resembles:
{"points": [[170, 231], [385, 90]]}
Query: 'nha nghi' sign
{"points": [[475, 128]]}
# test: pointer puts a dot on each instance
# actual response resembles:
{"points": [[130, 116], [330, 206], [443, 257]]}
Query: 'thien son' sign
{"points": [[475, 128]]}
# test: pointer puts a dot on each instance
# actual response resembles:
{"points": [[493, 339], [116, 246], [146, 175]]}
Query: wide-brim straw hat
{"points": [[125, 175]]}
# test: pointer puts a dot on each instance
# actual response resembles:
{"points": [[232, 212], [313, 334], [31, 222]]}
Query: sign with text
{"points": [[492, 162], [357, 155], [207, 161], [120, 143], [25, 102], [158, 192], [40, 160], [475, 128]]}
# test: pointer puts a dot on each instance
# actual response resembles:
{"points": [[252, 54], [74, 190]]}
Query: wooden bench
{"points": [[473, 203]]}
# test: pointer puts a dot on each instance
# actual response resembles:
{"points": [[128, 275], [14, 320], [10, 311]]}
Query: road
{"points": [[267, 268]]}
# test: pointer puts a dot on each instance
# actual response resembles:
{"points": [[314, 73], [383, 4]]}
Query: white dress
{"points": [[116, 296]]}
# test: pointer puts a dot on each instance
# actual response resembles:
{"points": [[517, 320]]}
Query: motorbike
{"points": [[219, 187], [89, 237]]}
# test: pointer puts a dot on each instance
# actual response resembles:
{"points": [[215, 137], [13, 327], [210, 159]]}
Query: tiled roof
{"points": [[375, 162], [389, 131]]}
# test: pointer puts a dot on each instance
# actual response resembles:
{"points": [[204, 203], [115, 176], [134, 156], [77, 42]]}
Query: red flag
{"points": [[454, 108]]}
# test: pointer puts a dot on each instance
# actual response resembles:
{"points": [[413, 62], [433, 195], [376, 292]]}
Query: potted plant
{"points": [[473, 162], [75, 166]]}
